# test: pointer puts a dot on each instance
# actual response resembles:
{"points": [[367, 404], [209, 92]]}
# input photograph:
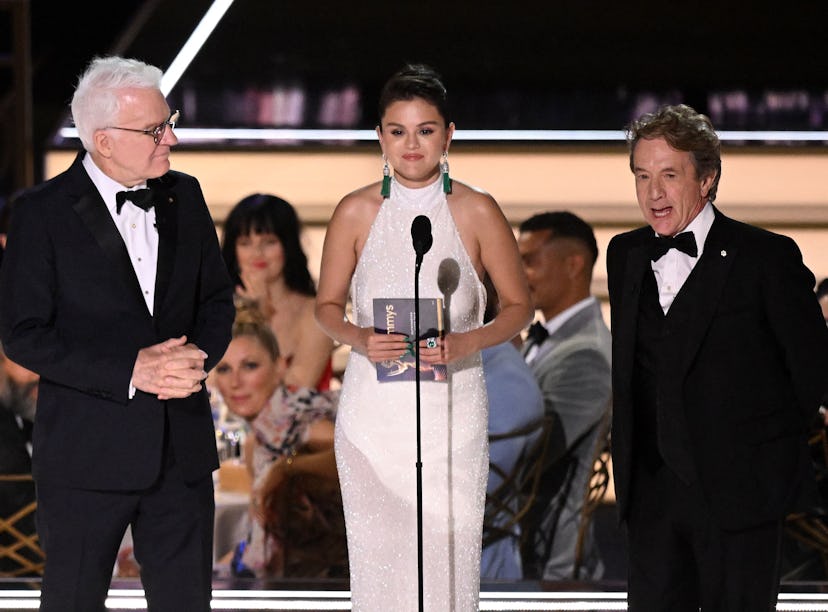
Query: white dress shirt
{"points": [[136, 226], [673, 268], [554, 324]]}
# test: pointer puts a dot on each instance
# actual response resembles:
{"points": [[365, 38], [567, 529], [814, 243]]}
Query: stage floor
{"points": [[18, 595]]}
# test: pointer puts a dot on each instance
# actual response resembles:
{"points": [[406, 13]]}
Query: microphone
{"points": [[421, 236]]}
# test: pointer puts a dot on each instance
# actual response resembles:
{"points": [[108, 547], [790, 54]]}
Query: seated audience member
{"points": [[263, 253], [18, 396], [570, 357], [298, 528], [515, 401]]}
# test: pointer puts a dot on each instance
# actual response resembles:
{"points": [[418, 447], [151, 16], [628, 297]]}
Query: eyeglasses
{"points": [[157, 132]]}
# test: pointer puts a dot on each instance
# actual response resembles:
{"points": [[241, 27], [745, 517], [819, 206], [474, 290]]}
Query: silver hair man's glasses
{"points": [[157, 132]]}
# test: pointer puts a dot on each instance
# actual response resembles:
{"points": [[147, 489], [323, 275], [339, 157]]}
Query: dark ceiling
{"points": [[552, 43], [558, 46]]}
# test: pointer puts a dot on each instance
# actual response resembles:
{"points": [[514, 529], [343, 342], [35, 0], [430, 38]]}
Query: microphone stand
{"points": [[419, 464], [422, 239]]}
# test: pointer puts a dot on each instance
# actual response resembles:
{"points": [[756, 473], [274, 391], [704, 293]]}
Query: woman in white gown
{"points": [[368, 254]]}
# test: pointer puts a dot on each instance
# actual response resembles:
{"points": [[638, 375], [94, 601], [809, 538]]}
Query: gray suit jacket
{"points": [[573, 370], [574, 374]]}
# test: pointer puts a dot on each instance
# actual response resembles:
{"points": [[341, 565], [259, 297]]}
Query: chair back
{"points": [[20, 552], [561, 481], [596, 489], [511, 500], [810, 529]]}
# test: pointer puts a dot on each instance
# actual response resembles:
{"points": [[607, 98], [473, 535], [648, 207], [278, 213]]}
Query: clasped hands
{"points": [[437, 350], [170, 369]]}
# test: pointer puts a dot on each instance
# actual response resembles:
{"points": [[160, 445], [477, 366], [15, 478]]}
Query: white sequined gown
{"points": [[376, 428]]}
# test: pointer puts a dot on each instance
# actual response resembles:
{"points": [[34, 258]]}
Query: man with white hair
{"points": [[113, 290]]}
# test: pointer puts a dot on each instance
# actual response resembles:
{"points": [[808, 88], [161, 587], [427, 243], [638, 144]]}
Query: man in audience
{"points": [[720, 357], [114, 291], [569, 356]]}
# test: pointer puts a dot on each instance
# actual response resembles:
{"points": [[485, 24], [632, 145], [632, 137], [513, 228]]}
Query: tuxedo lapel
{"points": [[94, 214], [712, 269], [166, 221]]}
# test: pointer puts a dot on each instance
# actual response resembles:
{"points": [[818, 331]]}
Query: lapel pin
{"points": [[723, 253]]}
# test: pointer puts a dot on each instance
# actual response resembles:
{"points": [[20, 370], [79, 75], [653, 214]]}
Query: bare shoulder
{"points": [[478, 218], [353, 217], [470, 193], [361, 205], [471, 203]]}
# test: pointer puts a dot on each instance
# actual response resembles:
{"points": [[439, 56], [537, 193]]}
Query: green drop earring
{"points": [[386, 179], [444, 169]]}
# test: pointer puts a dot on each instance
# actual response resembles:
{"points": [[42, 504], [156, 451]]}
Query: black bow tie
{"points": [[684, 242], [142, 198], [537, 333]]}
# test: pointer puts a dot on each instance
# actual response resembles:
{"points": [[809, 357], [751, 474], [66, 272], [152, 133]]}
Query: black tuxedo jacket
{"points": [[752, 364], [71, 310]]}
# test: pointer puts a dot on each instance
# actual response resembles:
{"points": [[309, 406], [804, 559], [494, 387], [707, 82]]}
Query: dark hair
{"points": [[563, 224], [414, 81], [822, 289], [685, 130], [267, 214]]}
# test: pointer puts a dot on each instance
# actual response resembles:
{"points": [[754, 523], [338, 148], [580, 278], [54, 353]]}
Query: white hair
{"points": [[96, 102]]}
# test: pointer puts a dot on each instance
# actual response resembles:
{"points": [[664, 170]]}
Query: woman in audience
{"points": [[297, 523], [263, 253]]}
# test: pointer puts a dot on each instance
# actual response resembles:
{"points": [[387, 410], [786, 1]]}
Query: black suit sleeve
{"points": [[29, 296], [614, 272], [796, 321], [215, 311]]}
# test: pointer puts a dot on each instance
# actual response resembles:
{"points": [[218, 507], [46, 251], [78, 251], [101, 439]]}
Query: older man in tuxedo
{"points": [[113, 290], [569, 355], [720, 356]]}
